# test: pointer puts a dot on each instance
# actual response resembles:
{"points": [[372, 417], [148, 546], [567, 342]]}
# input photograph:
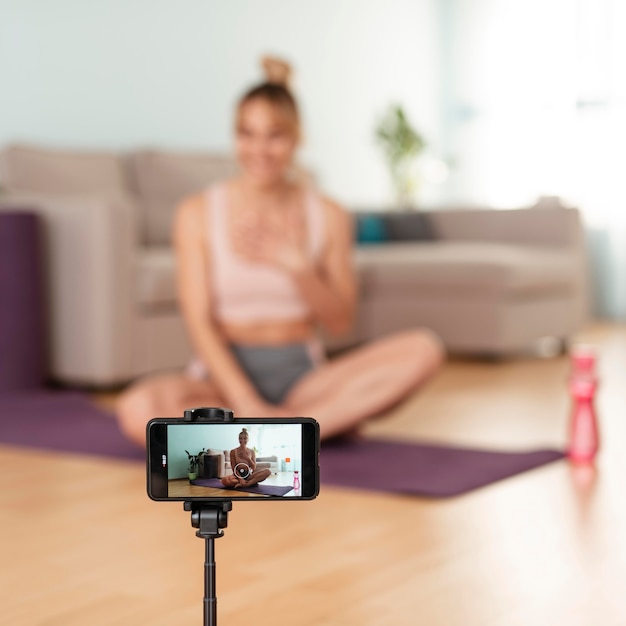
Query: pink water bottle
{"points": [[584, 439], [296, 480]]}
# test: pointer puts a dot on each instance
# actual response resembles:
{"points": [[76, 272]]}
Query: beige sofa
{"points": [[490, 282]]}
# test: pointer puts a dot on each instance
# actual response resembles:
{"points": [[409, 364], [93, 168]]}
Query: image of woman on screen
{"points": [[243, 466], [264, 263]]}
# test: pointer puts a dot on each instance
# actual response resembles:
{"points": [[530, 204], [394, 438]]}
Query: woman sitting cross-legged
{"points": [[263, 261], [243, 466]]}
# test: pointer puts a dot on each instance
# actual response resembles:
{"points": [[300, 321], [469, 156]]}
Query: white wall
{"points": [[126, 73], [536, 105]]}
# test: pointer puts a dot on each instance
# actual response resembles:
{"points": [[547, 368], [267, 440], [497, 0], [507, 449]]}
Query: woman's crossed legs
{"points": [[339, 394], [235, 482]]}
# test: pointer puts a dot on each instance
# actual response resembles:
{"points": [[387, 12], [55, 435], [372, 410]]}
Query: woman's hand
{"points": [[278, 239]]}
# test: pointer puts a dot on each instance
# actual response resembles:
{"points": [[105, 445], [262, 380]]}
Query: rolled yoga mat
{"points": [[22, 302]]}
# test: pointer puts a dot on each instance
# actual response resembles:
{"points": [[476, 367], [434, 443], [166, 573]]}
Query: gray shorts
{"points": [[273, 370]]}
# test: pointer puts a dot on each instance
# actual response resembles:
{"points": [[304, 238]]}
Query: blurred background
{"points": [[515, 99]]}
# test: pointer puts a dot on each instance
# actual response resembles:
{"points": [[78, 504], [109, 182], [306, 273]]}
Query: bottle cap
{"points": [[583, 358]]}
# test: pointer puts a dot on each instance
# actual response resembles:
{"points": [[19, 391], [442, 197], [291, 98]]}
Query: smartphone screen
{"points": [[249, 458]]}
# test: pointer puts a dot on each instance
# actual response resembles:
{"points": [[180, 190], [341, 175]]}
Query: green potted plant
{"points": [[194, 463], [402, 144]]}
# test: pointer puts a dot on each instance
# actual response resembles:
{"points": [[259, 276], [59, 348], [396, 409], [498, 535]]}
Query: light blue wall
{"points": [[127, 73], [194, 438]]}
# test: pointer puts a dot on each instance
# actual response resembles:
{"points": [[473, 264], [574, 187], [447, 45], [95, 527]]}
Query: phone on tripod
{"points": [[241, 459]]}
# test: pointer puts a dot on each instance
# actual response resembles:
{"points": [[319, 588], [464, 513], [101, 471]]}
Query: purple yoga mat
{"points": [[262, 490], [421, 469], [70, 422], [64, 421]]}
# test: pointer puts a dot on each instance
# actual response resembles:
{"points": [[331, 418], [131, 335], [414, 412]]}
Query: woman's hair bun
{"points": [[277, 71]]}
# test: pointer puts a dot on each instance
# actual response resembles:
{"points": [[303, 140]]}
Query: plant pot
{"points": [[192, 475]]}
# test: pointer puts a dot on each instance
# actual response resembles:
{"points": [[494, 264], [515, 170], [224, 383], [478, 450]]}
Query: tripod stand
{"points": [[210, 518]]}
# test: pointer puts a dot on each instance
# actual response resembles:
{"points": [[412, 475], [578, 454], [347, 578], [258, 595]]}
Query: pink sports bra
{"points": [[244, 291]]}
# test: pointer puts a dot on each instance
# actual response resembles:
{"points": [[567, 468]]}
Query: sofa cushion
{"points": [[375, 227], [409, 226], [162, 179], [370, 228], [463, 267], [25, 168], [156, 279], [546, 223]]}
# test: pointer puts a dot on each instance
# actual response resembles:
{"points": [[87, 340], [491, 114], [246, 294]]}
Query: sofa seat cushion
{"points": [[161, 179], [389, 268], [156, 279], [464, 267]]}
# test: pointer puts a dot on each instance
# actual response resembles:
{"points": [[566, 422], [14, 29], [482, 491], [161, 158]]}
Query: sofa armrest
{"points": [[90, 245]]}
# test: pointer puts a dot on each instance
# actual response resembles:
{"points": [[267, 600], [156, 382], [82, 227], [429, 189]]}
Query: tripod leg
{"points": [[209, 519], [210, 599]]}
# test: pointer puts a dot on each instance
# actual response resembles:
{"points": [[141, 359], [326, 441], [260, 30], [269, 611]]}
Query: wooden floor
{"points": [[81, 544]]}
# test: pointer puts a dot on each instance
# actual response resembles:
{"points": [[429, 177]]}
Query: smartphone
{"points": [[241, 459]]}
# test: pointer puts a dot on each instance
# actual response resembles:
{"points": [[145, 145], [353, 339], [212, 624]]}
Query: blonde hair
{"points": [[277, 71], [275, 90]]}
